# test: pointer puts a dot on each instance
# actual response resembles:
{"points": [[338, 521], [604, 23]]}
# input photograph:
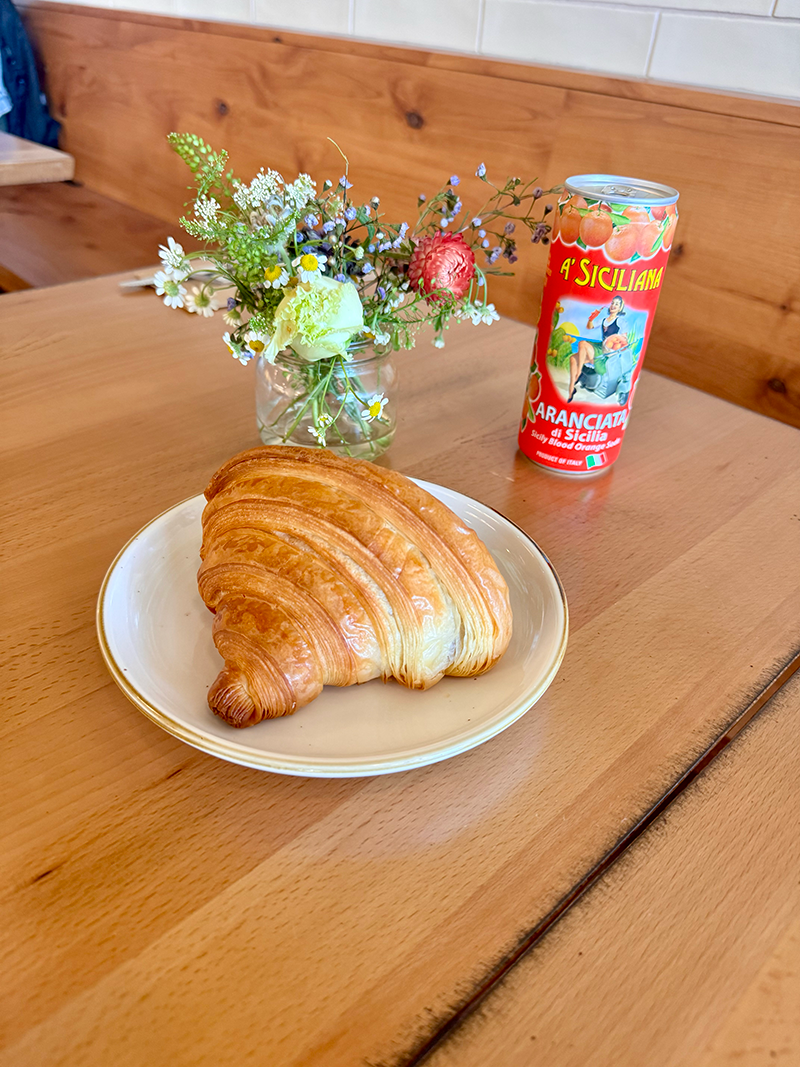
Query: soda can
{"points": [[610, 244]]}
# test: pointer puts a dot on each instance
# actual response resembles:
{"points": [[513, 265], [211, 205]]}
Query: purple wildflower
{"points": [[481, 171], [340, 278], [509, 227], [454, 179], [344, 183], [328, 226], [476, 221], [381, 292], [350, 213], [422, 198], [537, 192], [231, 303], [310, 221]]}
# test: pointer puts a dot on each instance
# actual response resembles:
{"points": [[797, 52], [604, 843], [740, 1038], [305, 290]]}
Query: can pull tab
{"points": [[620, 190]]}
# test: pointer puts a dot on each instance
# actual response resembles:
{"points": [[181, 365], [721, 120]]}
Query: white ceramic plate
{"points": [[155, 635]]}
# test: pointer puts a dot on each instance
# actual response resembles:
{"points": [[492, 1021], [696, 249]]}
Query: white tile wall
{"points": [[563, 34], [448, 24], [750, 46], [756, 55], [229, 10], [324, 16]]}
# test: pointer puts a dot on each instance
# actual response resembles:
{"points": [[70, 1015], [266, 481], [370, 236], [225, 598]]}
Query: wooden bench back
{"points": [[729, 318]]}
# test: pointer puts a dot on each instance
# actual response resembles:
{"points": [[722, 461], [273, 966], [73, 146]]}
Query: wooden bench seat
{"points": [[62, 232]]}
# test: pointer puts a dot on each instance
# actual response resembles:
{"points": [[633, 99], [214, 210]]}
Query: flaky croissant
{"points": [[328, 571]]}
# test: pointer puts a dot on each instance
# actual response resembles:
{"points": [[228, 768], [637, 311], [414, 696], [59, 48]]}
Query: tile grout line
{"points": [[652, 47], [480, 25], [460, 1015]]}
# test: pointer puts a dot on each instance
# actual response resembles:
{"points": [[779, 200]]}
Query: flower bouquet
{"points": [[321, 290]]}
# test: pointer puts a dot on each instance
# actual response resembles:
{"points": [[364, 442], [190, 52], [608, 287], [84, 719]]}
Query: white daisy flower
{"points": [[309, 265], [382, 338], [256, 341], [486, 314], [236, 350], [232, 317], [170, 288], [276, 275], [374, 408], [174, 259], [202, 301], [319, 435], [325, 420]]}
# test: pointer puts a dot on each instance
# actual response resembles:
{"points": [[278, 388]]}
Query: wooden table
{"points": [[161, 906], [25, 162]]}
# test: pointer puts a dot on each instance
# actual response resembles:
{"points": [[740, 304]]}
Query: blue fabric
{"points": [[5, 99], [28, 116]]}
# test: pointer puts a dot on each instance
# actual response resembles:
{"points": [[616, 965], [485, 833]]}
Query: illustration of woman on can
{"points": [[588, 351]]}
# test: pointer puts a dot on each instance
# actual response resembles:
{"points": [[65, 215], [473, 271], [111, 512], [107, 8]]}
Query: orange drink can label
{"points": [[611, 242]]}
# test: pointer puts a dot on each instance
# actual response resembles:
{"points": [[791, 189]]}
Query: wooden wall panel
{"points": [[729, 320]]}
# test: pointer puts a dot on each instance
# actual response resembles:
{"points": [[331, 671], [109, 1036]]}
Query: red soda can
{"points": [[611, 241]]}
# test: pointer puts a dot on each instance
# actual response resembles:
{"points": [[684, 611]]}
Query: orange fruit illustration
{"points": [[616, 341], [648, 235], [636, 214], [595, 228], [569, 226], [669, 233], [622, 243], [578, 201]]}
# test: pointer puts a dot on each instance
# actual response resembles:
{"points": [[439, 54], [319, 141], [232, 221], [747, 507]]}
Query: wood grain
{"points": [[51, 234], [764, 1027], [25, 162], [675, 950], [162, 906], [729, 320]]}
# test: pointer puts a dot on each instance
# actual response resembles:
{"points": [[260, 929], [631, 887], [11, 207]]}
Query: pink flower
{"points": [[442, 261]]}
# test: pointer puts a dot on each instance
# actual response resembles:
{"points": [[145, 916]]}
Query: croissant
{"points": [[328, 571]]}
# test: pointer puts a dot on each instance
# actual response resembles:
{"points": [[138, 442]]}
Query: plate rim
{"points": [[307, 767]]}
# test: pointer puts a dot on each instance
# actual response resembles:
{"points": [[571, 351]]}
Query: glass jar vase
{"points": [[348, 406]]}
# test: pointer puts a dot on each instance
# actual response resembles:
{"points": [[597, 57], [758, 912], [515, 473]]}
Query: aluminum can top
{"points": [[621, 190]]}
